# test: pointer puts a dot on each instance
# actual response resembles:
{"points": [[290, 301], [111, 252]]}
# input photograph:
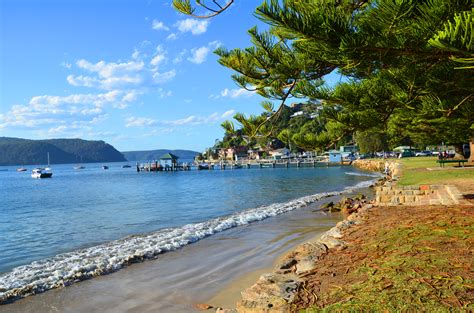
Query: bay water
{"points": [[83, 223]]}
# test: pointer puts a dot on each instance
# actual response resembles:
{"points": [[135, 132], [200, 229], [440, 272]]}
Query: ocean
{"points": [[84, 223]]}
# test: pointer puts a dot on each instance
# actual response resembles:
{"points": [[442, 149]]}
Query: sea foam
{"points": [[67, 268], [378, 175]]}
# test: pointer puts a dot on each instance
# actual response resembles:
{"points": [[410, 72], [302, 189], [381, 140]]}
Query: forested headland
{"points": [[17, 151]]}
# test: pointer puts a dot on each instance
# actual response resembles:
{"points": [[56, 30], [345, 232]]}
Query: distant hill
{"points": [[156, 154], [15, 151]]}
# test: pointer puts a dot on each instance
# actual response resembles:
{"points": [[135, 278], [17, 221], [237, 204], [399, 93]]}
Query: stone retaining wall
{"points": [[392, 195], [390, 165]]}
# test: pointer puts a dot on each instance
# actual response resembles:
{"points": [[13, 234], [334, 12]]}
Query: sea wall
{"points": [[392, 195], [389, 166]]}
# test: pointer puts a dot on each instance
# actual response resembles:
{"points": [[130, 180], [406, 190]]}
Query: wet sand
{"points": [[214, 270]]}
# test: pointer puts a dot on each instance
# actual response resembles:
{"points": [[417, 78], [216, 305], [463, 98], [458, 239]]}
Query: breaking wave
{"points": [[375, 175], [67, 268]]}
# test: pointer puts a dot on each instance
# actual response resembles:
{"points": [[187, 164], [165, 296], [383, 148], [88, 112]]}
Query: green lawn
{"points": [[415, 172], [421, 267]]}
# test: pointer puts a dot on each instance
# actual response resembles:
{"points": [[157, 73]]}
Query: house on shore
{"points": [[279, 153], [169, 160], [233, 154]]}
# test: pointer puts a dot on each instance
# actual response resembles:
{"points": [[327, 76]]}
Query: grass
{"points": [[421, 267], [420, 263], [415, 172]]}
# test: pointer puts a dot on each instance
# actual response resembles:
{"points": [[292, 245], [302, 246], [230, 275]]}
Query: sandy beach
{"points": [[213, 270]]}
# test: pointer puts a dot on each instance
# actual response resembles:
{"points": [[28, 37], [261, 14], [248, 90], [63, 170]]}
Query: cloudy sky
{"points": [[133, 73]]}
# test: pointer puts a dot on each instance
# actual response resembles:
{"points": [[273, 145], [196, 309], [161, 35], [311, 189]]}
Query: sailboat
{"points": [[80, 166], [42, 172]]}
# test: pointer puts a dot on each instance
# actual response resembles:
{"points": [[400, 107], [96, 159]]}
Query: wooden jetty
{"points": [[156, 166]]}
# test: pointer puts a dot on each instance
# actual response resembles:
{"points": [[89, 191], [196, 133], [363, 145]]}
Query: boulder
{"points": [[272, 293]]}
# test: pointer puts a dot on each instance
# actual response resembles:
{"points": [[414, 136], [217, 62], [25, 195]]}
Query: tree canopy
{"points": [[409, 66]]}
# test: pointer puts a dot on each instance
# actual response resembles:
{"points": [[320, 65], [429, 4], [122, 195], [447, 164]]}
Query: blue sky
{"points": [[133, 73]]}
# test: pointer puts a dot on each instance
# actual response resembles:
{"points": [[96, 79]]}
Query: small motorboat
{"points": [[126, 166], [21, 169], [203, 166], [105, 167], [41, 173]]}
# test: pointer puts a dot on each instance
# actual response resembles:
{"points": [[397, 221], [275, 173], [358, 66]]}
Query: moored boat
{"points": [[21, 169], [105, 167], [80, 166], [203, 166], [126, 166], [41, 173]]}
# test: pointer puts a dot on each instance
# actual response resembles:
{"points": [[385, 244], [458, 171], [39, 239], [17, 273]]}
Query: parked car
{"points": [[423, 153]]}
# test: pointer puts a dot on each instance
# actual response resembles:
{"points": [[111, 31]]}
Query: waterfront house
{"points": [[169, 160], [335, 156], [279, 153], [233, 153], [350, 149], [257, 154]]}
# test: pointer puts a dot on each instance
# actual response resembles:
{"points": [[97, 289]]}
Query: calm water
{"points": [[40, 218]]}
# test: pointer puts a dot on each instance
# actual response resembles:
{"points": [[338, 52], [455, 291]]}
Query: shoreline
{"points": [[72, 274], [152, 284], [283, 288]]}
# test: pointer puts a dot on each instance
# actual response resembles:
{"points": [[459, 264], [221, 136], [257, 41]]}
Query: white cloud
{"points": [[56, 101], [133, 74], [233, 93], [172, 36], [59, 110], [194, 26], [157, 25], [198, 55], [164, 94], [57, 130], [135, 54], [112, 69], [229, 113], [109, 75], [139, 122], [200, 120], [130, 96], [215, 44], [161, 78], [123, 82], [159, 57]]}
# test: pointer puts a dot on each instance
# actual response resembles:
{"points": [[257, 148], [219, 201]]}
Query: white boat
{"points": [[21, 169], [80, 166], [41, 173]]}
